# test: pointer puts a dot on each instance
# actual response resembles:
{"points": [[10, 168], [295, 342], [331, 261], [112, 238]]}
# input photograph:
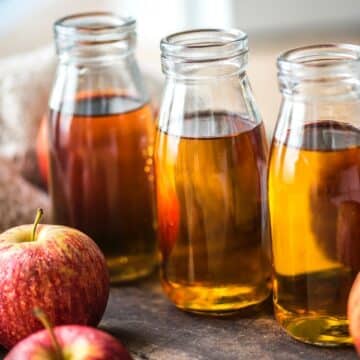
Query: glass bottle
{"points": [[101, 141], [210, 165], [314, 191]]}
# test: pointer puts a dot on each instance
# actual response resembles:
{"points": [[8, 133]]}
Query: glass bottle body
{"points": [[210, 162], [101, 143], [314, 200]]}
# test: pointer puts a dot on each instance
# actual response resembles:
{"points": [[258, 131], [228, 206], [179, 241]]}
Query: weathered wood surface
{"points": [[153, 329]]}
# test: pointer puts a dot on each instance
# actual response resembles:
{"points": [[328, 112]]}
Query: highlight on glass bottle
{"points": [[101, 141], [314, 191], [210, 165]]}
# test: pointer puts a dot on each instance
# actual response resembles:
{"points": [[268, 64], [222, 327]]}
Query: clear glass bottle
{"points": [[210, 164], [314, 191], [101, 141]]}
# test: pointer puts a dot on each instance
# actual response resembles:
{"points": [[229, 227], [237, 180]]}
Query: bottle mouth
{"points": [[320, 62], [201, 45], [93, 28]]}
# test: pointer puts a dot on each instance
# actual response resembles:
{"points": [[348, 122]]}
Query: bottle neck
{"points": [[331, 87], [208, 70], [328, 72], [182, 100], [95, 53], [94, 37], [204, 54]]}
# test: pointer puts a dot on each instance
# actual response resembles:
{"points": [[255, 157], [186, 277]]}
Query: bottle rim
{"points": [[201, 45], [320, 61], [95, 27]]}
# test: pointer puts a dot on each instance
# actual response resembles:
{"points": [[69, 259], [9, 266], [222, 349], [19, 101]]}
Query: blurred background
{"points": [[272, 26]]}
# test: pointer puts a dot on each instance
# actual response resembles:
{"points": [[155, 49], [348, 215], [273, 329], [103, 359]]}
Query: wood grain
{"points": [[153, 329]]}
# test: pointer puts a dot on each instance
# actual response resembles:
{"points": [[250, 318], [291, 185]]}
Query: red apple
{"points": [[57, 268], [68, 342], [354, 312], [42, 151]]}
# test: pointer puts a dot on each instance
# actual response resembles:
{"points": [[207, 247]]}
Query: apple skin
{"points": [[76, 342], [354, 313], [63, 272], [42, 151]]}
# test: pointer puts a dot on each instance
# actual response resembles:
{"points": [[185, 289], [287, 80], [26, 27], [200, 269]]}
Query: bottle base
{"points": [[124, 269], [214, 301], [315, 329]]}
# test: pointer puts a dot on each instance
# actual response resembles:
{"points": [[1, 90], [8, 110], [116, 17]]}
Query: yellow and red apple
{"points": [[72, 342], [56, 268], [354, 312]]}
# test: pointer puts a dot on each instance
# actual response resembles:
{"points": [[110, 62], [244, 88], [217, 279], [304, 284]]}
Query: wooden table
{"points": [[153, 329]]}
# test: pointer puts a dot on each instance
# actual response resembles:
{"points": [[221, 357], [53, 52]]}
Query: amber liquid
{"points": [[102, 178], [314, 198], [212, 210]]}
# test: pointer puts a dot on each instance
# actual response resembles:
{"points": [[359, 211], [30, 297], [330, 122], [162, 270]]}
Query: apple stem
{"points": [[41, 316], [39, 214]]}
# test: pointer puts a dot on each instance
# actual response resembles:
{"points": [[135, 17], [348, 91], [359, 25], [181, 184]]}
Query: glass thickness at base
{"points": [[214, 300], [314, 328], [130, 268], [311, 307]]}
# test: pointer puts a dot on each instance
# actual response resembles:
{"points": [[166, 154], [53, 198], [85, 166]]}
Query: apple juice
{"points": [[212, 211], [101, 178], [314, 196]]}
